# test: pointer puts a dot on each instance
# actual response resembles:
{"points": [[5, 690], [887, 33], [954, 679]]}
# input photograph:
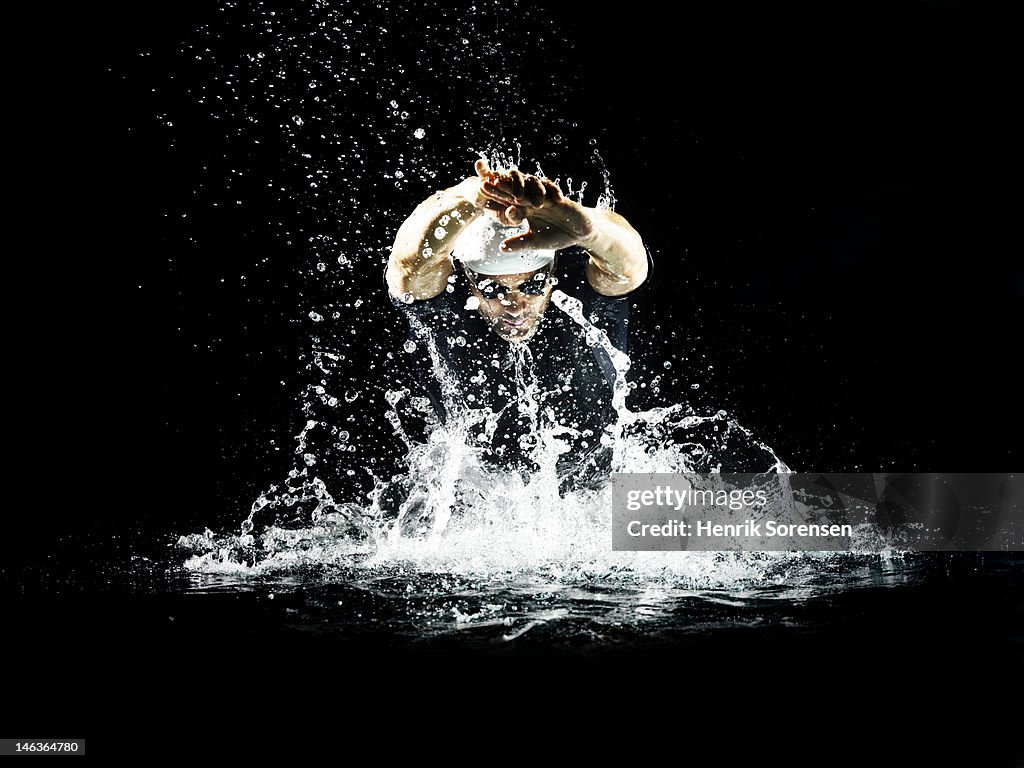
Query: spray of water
{"points": [[451, 512]]}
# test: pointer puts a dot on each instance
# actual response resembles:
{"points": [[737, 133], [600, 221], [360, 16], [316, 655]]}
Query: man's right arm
{"points": [[420, 262]]}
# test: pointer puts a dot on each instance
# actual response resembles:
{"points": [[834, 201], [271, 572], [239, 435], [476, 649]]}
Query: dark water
{"points": [[396, 608], [126, 615]]}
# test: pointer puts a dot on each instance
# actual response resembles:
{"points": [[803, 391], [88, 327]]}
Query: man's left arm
{"points": [[618, 258]]}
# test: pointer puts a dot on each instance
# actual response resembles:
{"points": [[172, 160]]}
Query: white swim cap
{"points": [[477, 248]]}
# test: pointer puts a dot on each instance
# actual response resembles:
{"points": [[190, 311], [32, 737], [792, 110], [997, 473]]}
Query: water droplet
{"points": [[472, 303], [419, 133], [409, 346], [667, 364], [395, 395], [316, 317]]}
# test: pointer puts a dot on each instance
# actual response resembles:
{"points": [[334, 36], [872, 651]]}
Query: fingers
{"points": [[517, 243], [483, 170], [552, 191], [533, 190], [509, 216], [515, 188], [514, 215], [518, 182], [504, 182], [499, 192]]}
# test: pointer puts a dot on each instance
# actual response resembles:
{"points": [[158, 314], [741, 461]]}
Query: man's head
{"points": [[512, 304], [512, 286]]}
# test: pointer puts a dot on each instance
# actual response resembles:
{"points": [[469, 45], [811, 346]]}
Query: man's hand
{"points": [[472, 189], [554, 221]]}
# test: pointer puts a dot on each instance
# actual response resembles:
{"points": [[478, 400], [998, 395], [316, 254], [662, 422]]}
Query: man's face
{"points": [[512, 304]]}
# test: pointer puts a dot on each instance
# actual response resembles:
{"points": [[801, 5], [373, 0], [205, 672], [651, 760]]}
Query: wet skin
{"points": [[509, 311]]}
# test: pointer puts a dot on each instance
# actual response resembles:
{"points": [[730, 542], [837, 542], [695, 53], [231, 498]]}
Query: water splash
{"points": [[454, 547], [320, 96], [452, 512]]}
